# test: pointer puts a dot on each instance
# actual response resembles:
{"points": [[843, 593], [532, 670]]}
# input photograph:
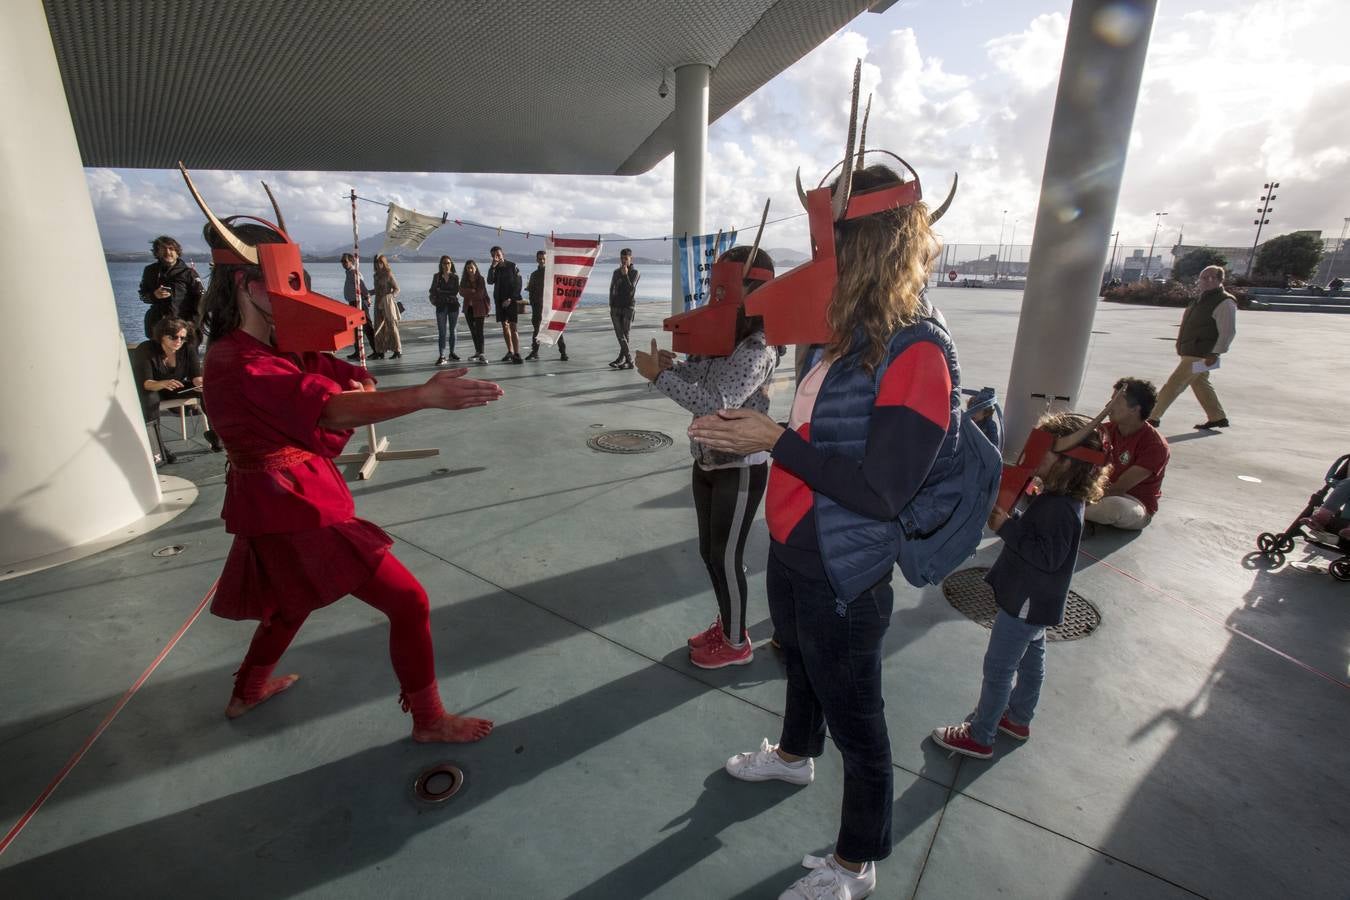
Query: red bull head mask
{"points": [[794, 306], [1017, 477], [303, 320], [710, 330]]}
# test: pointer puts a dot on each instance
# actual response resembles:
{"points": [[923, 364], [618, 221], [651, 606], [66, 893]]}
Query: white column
{"points": [[74, 459], [1094, 111], [691, 150]]}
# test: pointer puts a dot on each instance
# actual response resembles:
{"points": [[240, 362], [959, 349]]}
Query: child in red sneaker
{"points": [[1030, 579]]}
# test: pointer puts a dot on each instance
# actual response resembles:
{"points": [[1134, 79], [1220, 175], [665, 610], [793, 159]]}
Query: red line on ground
{"points": [[103, 726], [1217, 621]]}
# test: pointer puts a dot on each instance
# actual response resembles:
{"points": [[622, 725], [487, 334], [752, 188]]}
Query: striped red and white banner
{"points": [[567, 266]]}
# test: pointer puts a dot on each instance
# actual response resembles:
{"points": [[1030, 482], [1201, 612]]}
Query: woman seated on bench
{"points": [[167, 367]]}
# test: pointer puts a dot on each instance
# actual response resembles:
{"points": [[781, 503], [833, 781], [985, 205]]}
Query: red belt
{"points": [[269, 461]]}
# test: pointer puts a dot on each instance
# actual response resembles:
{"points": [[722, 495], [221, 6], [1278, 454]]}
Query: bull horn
{"points": [[862, 135], [951, 195], [839, 200], [754, 250], [801, 194], [229, 237], [281, 221]]}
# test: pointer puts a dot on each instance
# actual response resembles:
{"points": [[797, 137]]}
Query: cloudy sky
{"points": [[1234, 91]]}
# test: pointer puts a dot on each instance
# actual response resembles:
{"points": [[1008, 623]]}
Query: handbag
{"points": [[401, 309]]}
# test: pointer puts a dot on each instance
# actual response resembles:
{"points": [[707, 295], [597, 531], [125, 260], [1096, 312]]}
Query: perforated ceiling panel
{"points": [[410, 85]]}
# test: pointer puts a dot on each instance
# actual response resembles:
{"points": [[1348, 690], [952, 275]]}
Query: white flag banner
{"points": [[408, 228], [567, 266], [698, 252]]}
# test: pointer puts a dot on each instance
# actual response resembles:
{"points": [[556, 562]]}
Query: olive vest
{"points": [[1199, 332]]}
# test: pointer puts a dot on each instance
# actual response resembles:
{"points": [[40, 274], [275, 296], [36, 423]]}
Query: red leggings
{"points": [[393, 591]]}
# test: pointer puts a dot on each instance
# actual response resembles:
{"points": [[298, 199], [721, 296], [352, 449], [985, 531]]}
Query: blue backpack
{"points": [[943, 523]]}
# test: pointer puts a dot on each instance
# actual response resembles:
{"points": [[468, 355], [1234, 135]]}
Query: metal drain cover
{"points": [[171, 550], [439, 783], [629, 441], [968, 593]]}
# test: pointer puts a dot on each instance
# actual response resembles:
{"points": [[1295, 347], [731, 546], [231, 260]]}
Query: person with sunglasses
{"points": [[166, 367]]}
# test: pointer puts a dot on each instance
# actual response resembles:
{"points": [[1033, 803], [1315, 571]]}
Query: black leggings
{"points": [[726, 501], [476, 331]]}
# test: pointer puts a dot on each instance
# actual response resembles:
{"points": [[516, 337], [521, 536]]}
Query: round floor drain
{"points": [[171, 550], [968, 593], [439, 783], [629, 441]]}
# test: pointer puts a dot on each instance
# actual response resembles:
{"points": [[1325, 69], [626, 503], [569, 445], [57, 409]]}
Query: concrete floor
{"points": [[1194, 745]]}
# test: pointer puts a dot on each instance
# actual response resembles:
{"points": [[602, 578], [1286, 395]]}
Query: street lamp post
{"points": [[1262, 211], [1115, 245], [1149, 261], [1012, 241], [1331, 269], [998, 256]]}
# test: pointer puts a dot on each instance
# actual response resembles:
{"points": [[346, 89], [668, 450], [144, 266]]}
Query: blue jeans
{"points": [[834, 676], [446, 319], [1014, 648]]}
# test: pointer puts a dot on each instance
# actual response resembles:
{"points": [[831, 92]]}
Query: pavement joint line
{"points": [[1217, 621], [105, 724], [932, 840]]}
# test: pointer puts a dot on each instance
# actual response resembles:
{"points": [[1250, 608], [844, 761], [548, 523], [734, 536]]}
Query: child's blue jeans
{"points": [[1015, 648]]}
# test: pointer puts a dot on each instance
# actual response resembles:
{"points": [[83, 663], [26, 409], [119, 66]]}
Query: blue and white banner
{"points": [[697, 255]]}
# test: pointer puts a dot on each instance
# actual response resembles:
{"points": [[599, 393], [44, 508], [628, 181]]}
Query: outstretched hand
{"points": [[449, 389], [651, 365], [739, 431]]}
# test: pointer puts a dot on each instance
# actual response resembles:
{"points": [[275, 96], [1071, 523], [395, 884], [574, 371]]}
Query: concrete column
{"points": [[1094, 111], [691, 150], [74, 459]]}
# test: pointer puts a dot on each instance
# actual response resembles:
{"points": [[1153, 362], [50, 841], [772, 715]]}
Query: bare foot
{"points": [[454, 730], [238, 706]]}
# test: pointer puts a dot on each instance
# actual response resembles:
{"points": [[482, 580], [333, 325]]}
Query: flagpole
{"points": [[377, 448]]}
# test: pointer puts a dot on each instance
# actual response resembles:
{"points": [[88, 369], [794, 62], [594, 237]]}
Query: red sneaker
{"points": [[1012, 729], [717, 653], [957, 739], [706, 634]]}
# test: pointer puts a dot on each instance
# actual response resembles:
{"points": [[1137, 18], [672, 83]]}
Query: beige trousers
{"points": [[1181, 378], [1118, 512]]}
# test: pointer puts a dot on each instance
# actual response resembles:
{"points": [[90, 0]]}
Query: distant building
{"points": [[1239, 257]]}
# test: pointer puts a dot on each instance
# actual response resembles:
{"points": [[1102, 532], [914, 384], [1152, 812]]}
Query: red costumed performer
{"points": [[283, 414]]}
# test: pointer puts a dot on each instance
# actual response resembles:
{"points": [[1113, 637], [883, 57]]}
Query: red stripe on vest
{"points": [[918, 379], [787, 500]]}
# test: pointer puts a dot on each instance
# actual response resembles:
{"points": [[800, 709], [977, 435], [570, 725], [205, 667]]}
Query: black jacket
{"points": [[179, 278], [623, 291], [1040, 546], [444, 292], [505, 281], [536, 286]]}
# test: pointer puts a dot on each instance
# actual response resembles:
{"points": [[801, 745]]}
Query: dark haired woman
{"points": [[477, 305], [298, 545], [387, 339], [167, 367], [444, 296], [727, 486], [853, 455]]}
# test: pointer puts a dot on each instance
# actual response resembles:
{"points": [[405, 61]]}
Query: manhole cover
{"points": [[967, 592], [628, 441], [439, 783], [172, 550]]}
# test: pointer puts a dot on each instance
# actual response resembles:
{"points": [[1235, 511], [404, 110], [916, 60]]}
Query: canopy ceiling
{"points": [[411, 85]]}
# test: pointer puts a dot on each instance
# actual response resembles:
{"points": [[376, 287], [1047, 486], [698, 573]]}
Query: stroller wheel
{"points": [[1340, 569], [1286, 543], [1267, 543]]}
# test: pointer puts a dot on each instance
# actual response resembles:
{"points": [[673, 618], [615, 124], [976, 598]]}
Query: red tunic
{"points": [[298, 545]]}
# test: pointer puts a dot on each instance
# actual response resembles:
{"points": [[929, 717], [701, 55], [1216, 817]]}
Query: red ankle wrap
{"points": [[249, 682], [425, 705]]}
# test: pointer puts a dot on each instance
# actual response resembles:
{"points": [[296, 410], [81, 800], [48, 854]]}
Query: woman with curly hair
{"points": [[387, 340]]}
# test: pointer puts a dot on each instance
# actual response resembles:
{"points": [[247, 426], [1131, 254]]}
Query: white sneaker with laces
{"points": [[765, 764], [830, 881]]}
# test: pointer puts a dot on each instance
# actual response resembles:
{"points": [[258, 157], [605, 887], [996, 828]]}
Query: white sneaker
{"points": [[765, 764], [830, 881]]}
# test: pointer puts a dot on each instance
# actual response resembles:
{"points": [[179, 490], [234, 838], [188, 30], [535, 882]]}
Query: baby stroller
{"points": [[1275, 546]]}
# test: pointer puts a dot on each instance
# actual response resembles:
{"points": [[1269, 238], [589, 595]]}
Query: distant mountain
{"points": [[784, 258]]}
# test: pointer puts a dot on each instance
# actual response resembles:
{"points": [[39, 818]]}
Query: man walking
{"points": [[536, 291], [1207, 329], [357, 296], [622, 296]]}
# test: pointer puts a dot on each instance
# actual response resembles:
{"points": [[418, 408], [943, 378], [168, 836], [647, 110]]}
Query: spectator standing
{"points": [[387, 339], [168, 284], [505, 280], [444, 296], [1207, 330], [535, 289], [622, 297], [358, 296], [473, 288]]}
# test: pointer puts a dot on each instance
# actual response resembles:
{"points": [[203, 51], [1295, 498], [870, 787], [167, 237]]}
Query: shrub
{"points": [[1173, 293]]}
